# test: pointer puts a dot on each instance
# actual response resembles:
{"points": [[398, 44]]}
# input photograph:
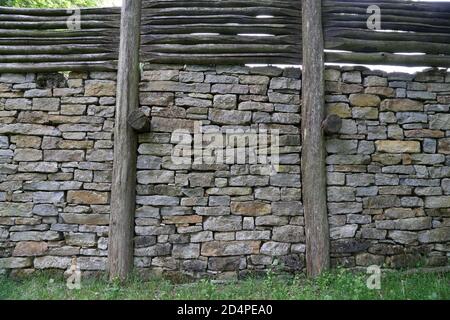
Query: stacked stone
{"points": [[219, 218], [389, 168], [56, 153]]}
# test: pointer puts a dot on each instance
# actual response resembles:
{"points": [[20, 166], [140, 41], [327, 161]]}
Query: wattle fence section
{"points": [[225, 32], [221, 32], [58, 40], [411, 34]]}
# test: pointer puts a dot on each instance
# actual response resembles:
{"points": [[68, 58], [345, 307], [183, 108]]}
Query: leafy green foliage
{"points": [[50, 3], [336, 285]]}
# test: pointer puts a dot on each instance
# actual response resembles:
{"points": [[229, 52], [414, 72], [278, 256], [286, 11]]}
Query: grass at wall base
{"points": [[336, 285]]}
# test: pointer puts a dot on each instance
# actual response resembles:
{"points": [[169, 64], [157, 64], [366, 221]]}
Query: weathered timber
{"points": [[313, 153], [396, 12], [370, 35], [384, 58], [250, 11], [274, 29], [139, 121], [57, 12], [222, 48], [434, 21], [58, 66], [222, 58], [402, 26], [359, 45], [189, 39], [332, 124], [192, 19], [56, 49], [220, 3], [85, 17], [123, 194], [57, 57], [55, 24], [389, 4], [58, 33], [41, 40]]}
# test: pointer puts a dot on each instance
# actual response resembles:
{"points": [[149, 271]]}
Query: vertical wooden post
{"points": [[123, 191], [313, 149]]}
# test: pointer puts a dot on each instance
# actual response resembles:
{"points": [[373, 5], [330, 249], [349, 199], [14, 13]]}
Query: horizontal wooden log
{"points": [[276, 29], [348, 44], [56, 41], [57, 12], [83, 17], [223, 59], [220, 4], [57, 57], [389, 4], [248, 55], [56, 24], [55, 49], [221, 48], [395, 12], [189, 39], [401, 26], [58, 66], [365, 34], [59, 33], [215, 19], [249, 11], [422, 21], [388, 59]]}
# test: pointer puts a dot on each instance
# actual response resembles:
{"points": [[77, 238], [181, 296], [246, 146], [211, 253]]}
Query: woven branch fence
{"points": [[44, 39], [226, 32]]}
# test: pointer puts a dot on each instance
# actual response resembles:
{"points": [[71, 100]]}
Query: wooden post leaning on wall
{"points": [[313, 146], [123, 191]]}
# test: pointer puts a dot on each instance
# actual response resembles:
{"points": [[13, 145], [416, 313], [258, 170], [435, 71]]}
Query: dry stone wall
{"points": [[55, 169], [388, 170], [219, 217]]}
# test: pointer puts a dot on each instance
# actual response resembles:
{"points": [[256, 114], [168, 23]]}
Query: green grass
{"points": [[339, 284]]}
